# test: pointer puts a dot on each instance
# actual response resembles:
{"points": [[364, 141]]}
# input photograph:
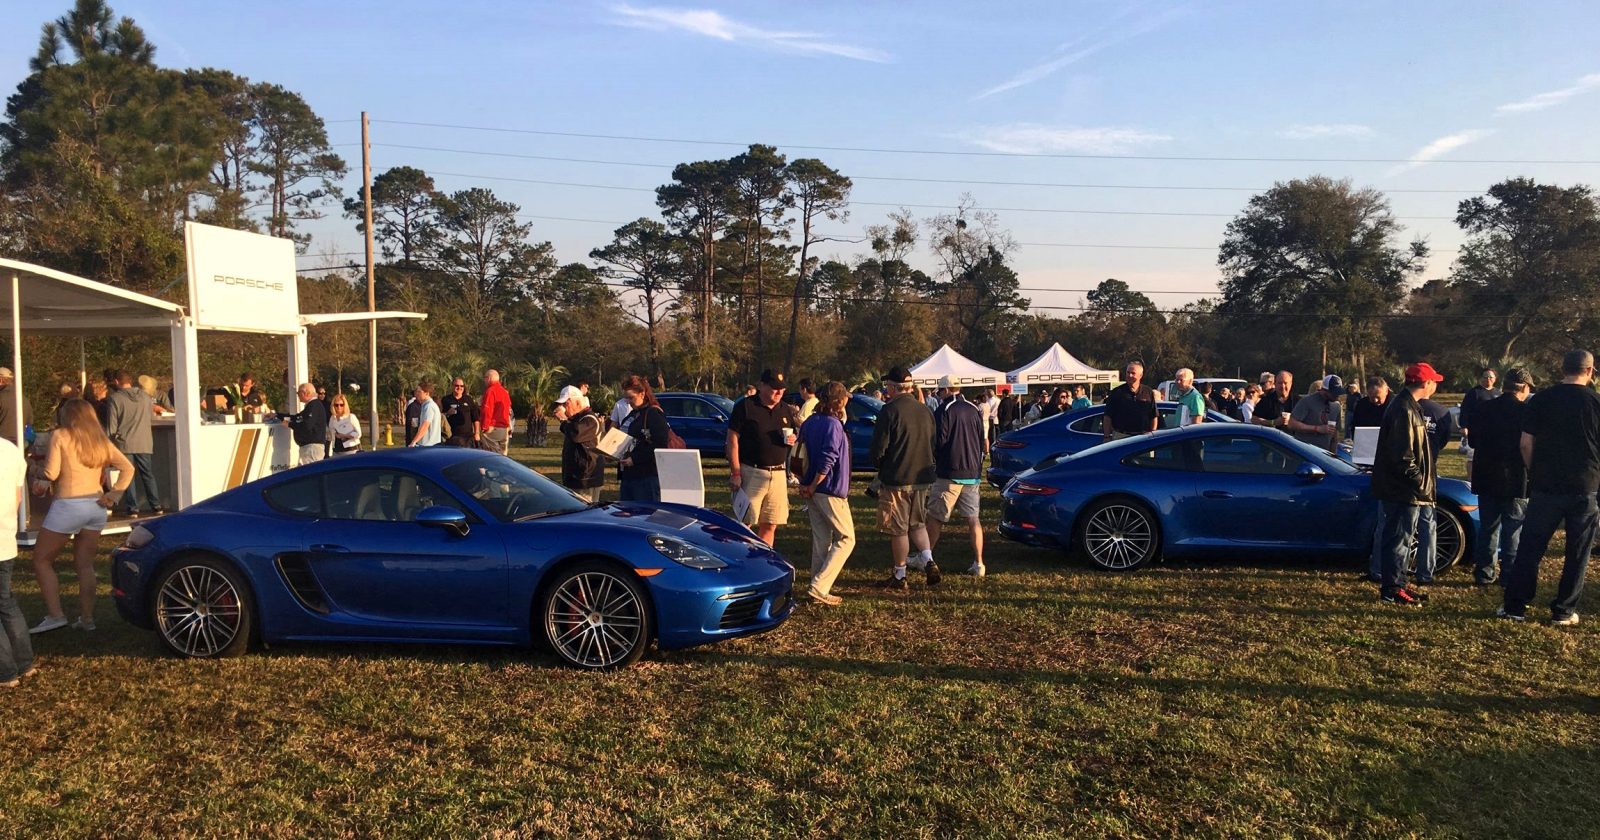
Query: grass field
{"points": [[1215, 700]]}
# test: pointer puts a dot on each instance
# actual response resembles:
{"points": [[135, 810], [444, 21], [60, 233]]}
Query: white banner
{"points": [[241, 281]]}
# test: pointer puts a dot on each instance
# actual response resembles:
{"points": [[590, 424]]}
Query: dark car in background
{"points": [[700, 419], [860, 416], [1061, 435]]}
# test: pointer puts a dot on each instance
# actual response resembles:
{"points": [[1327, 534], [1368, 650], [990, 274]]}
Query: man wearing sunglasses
{"points": [[461, 413]]}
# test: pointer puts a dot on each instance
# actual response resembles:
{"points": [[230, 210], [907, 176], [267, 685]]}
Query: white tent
{"points": [[1058, 367], [947, 362]]}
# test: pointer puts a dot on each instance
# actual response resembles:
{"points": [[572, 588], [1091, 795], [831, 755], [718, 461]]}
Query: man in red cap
{"points": [[1404, 479]]}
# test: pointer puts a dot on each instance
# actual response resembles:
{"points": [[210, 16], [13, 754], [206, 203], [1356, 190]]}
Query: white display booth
{"points": [[238, 282]]}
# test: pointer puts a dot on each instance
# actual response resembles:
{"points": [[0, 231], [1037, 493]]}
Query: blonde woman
{"points": [[79, 456], [344, 427]]}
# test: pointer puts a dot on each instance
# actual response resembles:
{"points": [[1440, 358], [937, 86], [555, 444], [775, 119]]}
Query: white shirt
{"points": [[620, 412], [1247, 409], [346, 425], [13, 477]]}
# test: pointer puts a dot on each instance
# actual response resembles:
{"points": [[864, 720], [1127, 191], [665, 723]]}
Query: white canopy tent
{"points": [[1058, 367], [947, 362], [253, 292]]}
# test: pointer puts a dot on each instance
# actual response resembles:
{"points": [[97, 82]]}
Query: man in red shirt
{"points": [[496, 410]]}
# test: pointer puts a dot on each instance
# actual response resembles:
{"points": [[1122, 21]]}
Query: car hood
{"points": [[705, 528]]}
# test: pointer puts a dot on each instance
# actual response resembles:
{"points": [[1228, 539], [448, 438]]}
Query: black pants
{"points": [[1546, 512]]}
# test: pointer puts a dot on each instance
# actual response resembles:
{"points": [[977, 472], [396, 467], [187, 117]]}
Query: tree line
{"points": [[104, 154]]}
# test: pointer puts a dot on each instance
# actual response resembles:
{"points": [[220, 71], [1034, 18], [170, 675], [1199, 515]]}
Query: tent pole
{"points": [[16, 386], [83, 367]]}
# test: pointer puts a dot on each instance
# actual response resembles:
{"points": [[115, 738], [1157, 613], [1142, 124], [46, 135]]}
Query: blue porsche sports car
{"points": [[444, 545], [1221, 488], [1063, 434]]}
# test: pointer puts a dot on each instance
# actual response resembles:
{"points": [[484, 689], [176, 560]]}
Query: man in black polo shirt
{"points": [[760, 432], [1481, 393], [461, 414], [1561, 446], [1277, 403], [1130, 407]]}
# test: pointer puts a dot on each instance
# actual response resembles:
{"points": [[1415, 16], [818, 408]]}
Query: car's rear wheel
{"points": [[203, 610], [596, 616], [1450, 539], [1119, 535]]}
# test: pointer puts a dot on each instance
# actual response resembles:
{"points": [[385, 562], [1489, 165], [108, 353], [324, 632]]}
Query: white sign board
{"points": [[241, 281], [1366, 446], [682, 482]]}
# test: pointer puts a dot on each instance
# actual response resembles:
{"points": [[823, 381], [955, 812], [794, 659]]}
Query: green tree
{"points": [[236, 147], [1532, 261], [488, 262], [647, 258], [1319, 247], [819, 192], [761, 184], [405, 213], [293, 155], [697, 205], [1114, 296], [982, 290]]}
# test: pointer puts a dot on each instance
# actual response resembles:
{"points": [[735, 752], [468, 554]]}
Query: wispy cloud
{"points": [[1441, 147], [1033, 139], [1322, 131], [1083, 47], [713, 24], [1551, 98]]}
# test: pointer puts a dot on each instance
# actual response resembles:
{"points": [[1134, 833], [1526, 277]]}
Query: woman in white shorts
{"points": [[79, 456]]}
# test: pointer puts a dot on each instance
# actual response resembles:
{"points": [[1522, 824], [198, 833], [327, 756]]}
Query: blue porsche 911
{"points": [[1231, 489], [445, 545]]}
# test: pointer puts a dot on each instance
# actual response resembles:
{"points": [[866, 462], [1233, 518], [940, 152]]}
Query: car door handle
{"points": [[330, 548], [1217, 494]]}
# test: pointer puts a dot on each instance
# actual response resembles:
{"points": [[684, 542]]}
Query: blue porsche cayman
{"points": [[444, 545], [1217, 488], [1063, 434]]}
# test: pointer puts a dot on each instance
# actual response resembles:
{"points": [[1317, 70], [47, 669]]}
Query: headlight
{"points": [[138, 538], [685, 554]]}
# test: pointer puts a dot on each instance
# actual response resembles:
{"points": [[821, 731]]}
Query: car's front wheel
{"points": [[596, 617], [202, 609], [1450, 546], [1119, 535]]}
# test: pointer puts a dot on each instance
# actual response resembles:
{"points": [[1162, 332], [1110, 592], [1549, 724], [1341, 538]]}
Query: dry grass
{"points": [[1193, 699]]}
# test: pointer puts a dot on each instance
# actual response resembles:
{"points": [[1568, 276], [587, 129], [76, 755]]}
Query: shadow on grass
{"points": [[1121, 681], [1457, 793]]}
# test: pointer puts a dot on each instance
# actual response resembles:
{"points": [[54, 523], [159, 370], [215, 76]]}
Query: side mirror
{"points": [[441, 516], [1310, 472]]}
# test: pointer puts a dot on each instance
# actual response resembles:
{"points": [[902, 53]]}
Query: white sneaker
{"points": [[1565, 621], [49, 623], [81, 623], [977, 570]]}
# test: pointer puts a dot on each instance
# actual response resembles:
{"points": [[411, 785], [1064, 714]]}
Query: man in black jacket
{"points": [[1499, 477], [958, 463], [902, 447], [310, 425], [1481, 394], [1405, 479]]}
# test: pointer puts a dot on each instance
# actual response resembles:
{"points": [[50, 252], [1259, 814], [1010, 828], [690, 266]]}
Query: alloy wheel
{"points": [[1118, 536], [594, 620], [198, 611]]}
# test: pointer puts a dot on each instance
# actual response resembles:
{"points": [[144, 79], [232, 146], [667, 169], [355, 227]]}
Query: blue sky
{"points": [[1433, 82]]}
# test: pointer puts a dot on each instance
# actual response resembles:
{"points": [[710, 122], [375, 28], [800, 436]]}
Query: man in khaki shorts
{"points": [[902, 449], [760, 432], [958, 461]]}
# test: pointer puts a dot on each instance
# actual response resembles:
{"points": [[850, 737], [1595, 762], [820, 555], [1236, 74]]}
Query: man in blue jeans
{"points": [[16, 649], [1499, 477], [1561, 446], [1405, 480], [128, 416]]}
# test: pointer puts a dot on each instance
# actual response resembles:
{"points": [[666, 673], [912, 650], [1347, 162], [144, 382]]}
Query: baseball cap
{"points": [[568, 394], [772, 378], [1333, 385], [1422, 372], [897, 375], [1519, 376], [948, 382]]}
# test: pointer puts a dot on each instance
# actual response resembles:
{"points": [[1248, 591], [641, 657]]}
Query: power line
{"points": [[965, 153], [1053, 210], [979, 182]]}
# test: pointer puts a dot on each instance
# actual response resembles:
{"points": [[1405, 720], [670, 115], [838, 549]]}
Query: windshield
{"points": [[511, 491], [721, 402], [1317, 455]]}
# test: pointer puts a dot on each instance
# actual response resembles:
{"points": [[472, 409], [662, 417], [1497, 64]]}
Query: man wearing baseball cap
{"points": [[583, 471], [1404, 479], [902, 450], [958, 462], [760, 432], [1315, 418], [1500, 478]]}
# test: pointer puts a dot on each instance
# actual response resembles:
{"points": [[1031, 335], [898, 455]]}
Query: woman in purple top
{"points": [[825, 483]]}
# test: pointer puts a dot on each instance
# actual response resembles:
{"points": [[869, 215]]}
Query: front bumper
{"points": [[700, 607]]}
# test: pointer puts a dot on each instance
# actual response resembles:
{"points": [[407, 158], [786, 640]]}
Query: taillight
{"points": [[1028, 488], [1009, 444]]}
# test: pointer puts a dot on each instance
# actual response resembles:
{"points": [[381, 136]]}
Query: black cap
{"points": [[772, 378], [1518, 376], [898, 375]]}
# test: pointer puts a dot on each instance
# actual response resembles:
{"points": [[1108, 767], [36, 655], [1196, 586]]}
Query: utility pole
{"points": [[372, 296]]}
